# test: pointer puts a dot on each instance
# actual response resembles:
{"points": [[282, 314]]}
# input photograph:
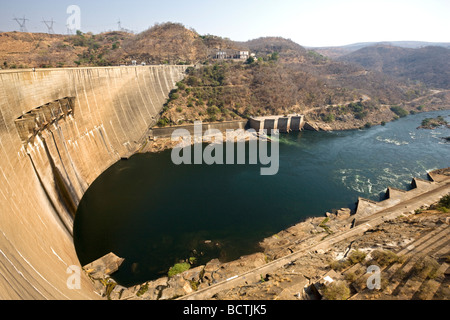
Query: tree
{"points": [[274, 56]]}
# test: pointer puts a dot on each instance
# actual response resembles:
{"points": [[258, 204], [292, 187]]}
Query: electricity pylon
{"points": [[49, 25], [22, 22]]}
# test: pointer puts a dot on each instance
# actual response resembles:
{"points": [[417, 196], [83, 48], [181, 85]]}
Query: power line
{"points": [[49, 25], [69, 29], [22, 22]]}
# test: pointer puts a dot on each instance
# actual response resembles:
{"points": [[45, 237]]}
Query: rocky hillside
{"points": [[170, 43], [38, 50], [283, 77], [166, 43], [429, 65]]}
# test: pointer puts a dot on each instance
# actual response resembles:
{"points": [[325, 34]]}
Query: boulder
{"points": [[151, 290], [194, 274], [211, 267], [177, 287], [343, 213], [104, 266], [243, 264]]}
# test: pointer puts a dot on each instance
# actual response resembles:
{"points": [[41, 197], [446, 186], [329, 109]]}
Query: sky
{"points": [[311, 23]]}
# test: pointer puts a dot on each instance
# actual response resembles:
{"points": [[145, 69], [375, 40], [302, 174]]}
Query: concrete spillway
{"points": [[59, 130]]}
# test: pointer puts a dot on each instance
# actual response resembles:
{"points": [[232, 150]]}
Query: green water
{"points": [[154, 214]]}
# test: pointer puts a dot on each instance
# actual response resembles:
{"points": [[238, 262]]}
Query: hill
{"points": [[338, 51], [168, 43], [39, 50], [429, 65], [282, 77]]}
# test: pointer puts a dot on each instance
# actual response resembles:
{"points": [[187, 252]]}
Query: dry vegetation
{"points": [[284, 77], [428, 65]]}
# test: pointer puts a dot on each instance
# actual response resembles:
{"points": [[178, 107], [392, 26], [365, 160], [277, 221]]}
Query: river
{"points": [[154, 213]]}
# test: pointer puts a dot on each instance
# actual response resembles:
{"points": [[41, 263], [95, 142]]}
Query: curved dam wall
{"points": [[59, 130]]}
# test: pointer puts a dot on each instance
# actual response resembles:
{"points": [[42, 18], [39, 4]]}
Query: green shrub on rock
{"points": [[178, 268]]}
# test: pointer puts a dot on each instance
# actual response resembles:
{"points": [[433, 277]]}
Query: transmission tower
{"points": [[49, 25], [69, 30], [119, 24], [22, 22]]}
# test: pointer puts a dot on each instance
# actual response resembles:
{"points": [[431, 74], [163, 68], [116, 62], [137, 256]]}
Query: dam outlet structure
{"points": [[60, 129]]}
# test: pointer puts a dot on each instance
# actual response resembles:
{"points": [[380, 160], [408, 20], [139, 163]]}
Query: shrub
{"points": [[351, 277], [142, 290], [324, 226], [361, 115], [338, 265], [357, 256], [328, 118], [337, 290], [178, 268], [444, 204], [426, 268], [181, 85], [173, 95], [385, 257], [250, 60], [213, 110], [200, 102], [399, 111], [162, 122]]}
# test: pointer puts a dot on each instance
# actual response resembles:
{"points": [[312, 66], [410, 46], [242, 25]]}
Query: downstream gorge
{"points": [[154, 213], [64, 131]]}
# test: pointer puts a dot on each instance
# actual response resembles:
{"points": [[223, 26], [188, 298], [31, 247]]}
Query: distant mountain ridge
{"points": [[429, 65], [338, 51]]}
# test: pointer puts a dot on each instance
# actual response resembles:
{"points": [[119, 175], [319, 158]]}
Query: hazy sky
{"points": [[309, 23]]}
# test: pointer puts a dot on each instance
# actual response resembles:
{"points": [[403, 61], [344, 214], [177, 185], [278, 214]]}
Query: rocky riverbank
{"points": [[301, 278], [341, 121]]}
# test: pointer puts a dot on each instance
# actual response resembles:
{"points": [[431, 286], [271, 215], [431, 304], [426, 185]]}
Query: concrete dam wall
{"points": [[59, 130]]}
